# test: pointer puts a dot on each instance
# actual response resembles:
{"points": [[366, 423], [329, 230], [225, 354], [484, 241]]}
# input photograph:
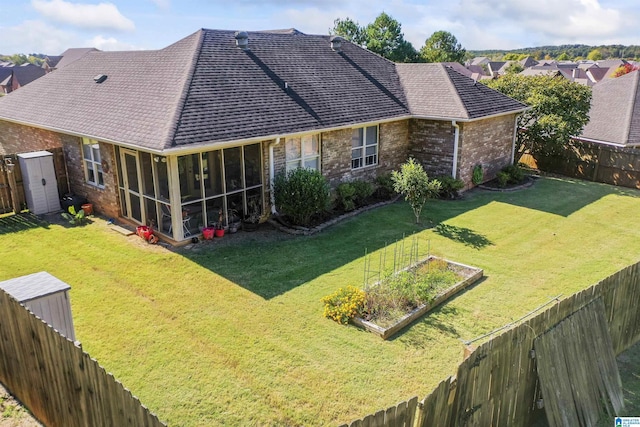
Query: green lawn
{"points": [[233, 333]]}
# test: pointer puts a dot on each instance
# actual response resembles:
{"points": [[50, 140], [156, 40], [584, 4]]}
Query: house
{"points": [[71, 55], [203, 135], [12, 78], [614, 117]]}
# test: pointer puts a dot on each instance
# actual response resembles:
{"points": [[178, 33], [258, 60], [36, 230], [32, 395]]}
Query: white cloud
{"points": [[109, 43], [37, 37], [82, 15], [162, 4]]}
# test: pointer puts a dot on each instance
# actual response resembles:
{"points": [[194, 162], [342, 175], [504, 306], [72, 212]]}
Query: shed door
{"points": [[39, 181]]}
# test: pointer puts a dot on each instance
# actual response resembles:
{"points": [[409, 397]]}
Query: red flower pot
{"points": [[207, 233], [219, 232]]}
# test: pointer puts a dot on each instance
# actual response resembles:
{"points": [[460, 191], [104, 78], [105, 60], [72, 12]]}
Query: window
{"points": [[303, 152], [92, 162], [364, 147]]}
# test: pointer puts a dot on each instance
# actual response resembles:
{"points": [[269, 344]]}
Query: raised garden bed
{"points": [[468, 276]]}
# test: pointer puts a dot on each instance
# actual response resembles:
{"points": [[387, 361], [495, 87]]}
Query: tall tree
{"points": [[349, 29], [559, 110], [384, 36], [595, 55], [624, 69], [442, 46]]}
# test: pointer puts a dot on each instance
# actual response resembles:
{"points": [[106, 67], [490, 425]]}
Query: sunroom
{"points": [[178, 195]]}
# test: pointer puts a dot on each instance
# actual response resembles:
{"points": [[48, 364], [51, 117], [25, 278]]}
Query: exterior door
{"points": [[132, 199]]}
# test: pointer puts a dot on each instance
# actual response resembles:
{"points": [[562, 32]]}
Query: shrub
{"points": [[449, 187], [363, 190], [478, 175], [503, 179], [344, 304], [515, 173], [412, 181], [384, 186], [300, 194], [346, 196]]}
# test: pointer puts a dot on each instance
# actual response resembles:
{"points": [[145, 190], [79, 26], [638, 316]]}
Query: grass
{"points": [[233, 333]]}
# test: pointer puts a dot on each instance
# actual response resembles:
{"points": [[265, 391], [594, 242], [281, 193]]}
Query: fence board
{"points": [[59, 383], [577, 368]]}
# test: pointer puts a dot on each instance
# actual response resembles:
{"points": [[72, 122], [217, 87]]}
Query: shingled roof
{"points": [[204, 89], [614, 116], [437, 91]]}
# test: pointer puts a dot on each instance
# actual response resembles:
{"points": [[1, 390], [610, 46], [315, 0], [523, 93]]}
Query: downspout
{"points": [[272, 175], [456, 139], [515, 134]]}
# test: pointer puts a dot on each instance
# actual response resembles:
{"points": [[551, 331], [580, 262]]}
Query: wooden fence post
{"points": [[13, 186]]}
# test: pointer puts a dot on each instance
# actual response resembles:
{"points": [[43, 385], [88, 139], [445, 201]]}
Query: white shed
{"points": [[47, 297], [39, 181]]}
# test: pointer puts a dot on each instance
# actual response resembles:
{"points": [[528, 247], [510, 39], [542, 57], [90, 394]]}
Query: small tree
{"points": [[412, 182]]}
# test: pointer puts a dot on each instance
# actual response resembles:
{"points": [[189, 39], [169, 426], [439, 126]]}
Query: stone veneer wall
{"points": [[431, 144], [336, 153], [487, 142], [17, 139], [105, 200]]}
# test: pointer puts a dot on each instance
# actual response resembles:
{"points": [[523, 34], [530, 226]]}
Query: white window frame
{"points": [[363, 160], [92, 164], [302, 141]]}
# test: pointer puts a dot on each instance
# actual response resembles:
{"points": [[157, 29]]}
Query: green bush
{"points": [[478, 175], [384, 186], [300, 194], [449, 187], [414, 184], [503, 179], [515, 172], [346, 196], [363, 190]]}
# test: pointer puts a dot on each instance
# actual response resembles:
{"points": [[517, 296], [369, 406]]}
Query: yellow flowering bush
{"points": [[344, 304]]}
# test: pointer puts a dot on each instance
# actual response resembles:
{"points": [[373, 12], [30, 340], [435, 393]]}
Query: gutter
{"points": [[456, 140], [598, 141], [272, 198]]}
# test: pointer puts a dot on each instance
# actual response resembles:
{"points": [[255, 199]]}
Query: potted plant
{"points": [[252, 219], [233, 219], [219, 227]]}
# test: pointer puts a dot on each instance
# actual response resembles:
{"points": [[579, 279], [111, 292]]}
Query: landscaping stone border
{"points": [[443, 296], [528, 183]]}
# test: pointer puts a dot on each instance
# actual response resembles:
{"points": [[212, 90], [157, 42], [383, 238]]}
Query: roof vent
{"points": [[336, 43], [242, 40], [100, 78]]}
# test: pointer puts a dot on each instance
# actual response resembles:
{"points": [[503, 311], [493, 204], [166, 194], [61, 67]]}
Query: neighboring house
{"points": [[205, 133], [494, 67], [50, 62], [12, 78], [73, 54], [528, 62], [614, 117]]}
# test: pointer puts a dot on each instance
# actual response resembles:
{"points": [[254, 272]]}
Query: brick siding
{"points": [[105, 200], [18, 139], [487, 142], [431, 144]]}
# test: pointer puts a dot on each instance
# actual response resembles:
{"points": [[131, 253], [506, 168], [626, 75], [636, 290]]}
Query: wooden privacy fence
{"points": [[498, 383], [59, 383], [12, 197], [593, 162]]}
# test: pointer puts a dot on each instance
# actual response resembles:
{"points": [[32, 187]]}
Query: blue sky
{"points": [[51, 26]]}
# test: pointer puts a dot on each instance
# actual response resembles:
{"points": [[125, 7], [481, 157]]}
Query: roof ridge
{"points": [[179, 108], [452, 85]]}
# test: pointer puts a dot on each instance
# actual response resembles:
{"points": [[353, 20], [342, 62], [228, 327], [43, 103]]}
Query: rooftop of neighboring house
{"points": [[204, 89], [71, 55], [614, 116]]}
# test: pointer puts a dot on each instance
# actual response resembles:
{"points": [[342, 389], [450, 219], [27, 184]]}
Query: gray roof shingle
{"points": [[32, 286], [438, 91], [614, 116], [203, 89]]}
